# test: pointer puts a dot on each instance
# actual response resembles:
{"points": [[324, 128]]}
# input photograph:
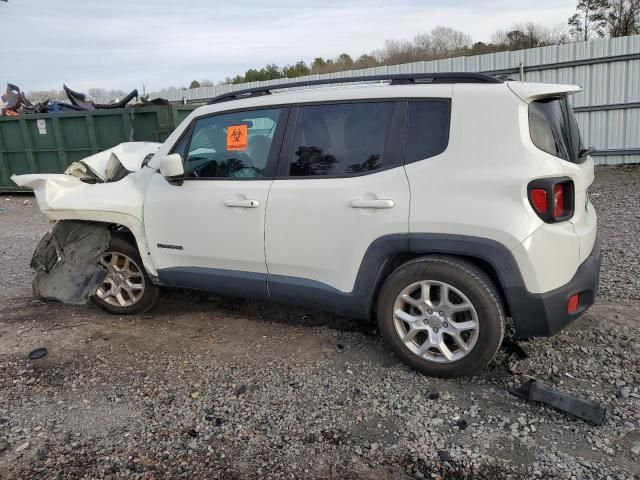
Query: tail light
{"points": [[552, 198]]}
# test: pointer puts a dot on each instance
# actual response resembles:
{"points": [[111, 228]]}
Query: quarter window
{"points": [[554, 129], [341, 139], [428, 132], [232, 145]]}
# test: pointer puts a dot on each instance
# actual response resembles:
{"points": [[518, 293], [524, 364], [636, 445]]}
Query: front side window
{"points": [[554, 129], [340, 140], [232, 145], [428, 130]]}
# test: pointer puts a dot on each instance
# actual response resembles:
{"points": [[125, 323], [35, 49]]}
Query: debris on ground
{"points": [[534, 391], [38, 353]]}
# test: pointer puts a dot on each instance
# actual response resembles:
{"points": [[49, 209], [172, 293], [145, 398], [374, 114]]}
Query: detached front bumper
{"points": [[545, 314]]}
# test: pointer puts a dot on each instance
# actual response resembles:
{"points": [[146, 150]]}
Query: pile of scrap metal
{"points": [[14, 102]]}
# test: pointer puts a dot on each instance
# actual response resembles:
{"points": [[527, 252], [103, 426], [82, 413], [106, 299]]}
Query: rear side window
{"points": [[554, 129], [341, 139], [428, 132]]}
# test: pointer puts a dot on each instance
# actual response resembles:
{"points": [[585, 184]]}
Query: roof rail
{"points": [[394, 79]]}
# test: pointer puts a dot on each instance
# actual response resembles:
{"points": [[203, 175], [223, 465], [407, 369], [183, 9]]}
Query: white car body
{"points": [[304, 235]]}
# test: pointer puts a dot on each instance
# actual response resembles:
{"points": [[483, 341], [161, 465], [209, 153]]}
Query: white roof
{"points": [[526, 91], [335, 93]]}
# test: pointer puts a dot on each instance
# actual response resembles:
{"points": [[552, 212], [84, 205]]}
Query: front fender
{"points": [[62, 197]]}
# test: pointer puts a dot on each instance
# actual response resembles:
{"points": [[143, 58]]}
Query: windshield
{"points": [[554, 129]]}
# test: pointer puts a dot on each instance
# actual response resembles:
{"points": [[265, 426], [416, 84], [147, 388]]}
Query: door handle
{"points": [[377, 203], [248, 203]]}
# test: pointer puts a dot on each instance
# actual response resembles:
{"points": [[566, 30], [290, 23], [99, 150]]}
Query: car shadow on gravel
{"points": [[179, 300]]}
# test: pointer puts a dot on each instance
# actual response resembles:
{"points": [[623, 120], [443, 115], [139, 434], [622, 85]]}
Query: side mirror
{"points": [[171, 168]]}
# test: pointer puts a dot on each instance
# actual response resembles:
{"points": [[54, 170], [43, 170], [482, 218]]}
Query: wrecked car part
{"points": [[121, 104], [38, 353], [131, 155], [534, 391], [66, 261], [11, 97], [115, 170], [80, 170], [78, 99], [145, 102]]}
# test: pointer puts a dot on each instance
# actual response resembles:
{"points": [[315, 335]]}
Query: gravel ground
{"points": [[210, 387]]}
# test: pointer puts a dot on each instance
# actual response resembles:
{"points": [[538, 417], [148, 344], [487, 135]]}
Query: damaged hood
{"points": [[107, 166], [130, 155], [96, 188]]}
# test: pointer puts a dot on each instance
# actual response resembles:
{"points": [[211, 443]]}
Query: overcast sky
{"points": [[160, 43]]}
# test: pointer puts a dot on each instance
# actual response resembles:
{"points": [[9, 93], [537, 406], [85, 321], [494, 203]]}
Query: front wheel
{"points": [[126, 289], [442, 316]]}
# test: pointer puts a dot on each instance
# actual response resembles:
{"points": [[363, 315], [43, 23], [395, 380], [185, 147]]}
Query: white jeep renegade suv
{"points": [[440, 203]]}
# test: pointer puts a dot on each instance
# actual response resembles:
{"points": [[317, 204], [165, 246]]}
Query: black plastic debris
{"points": [[66, 261], [80, 100], [462, 424], [534, 391], [433, 395], [38, 353], [444, 456], [514, 348]]}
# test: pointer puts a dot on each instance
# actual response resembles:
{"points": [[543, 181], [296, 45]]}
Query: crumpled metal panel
{"points": [[66, 261]]}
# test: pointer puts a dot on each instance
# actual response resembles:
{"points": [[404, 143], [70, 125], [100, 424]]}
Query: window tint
{"points": [[554, 129], [428, 132], [233, 145], [344, 139]]}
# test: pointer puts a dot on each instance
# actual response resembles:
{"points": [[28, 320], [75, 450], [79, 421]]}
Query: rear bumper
{"points": [[545, 314]]}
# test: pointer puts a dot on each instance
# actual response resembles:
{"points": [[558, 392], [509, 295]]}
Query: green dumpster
{"points": [[49, 142]]}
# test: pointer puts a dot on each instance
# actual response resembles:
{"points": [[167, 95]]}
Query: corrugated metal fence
{"points": [[608, 110]]}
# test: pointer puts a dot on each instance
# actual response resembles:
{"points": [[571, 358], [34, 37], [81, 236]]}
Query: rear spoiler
{"points": [[529, 92]]}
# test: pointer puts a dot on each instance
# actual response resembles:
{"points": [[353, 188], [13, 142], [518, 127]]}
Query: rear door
{"points": [[208, 232], [340, 186]]}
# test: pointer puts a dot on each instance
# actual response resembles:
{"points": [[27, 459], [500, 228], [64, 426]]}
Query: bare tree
{"points": [[445, 40], [623, 18], [590, 18], [528, 35], [395, 51]]}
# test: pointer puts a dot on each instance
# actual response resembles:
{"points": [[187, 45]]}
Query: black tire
{"points": [[470, 281], [121, 244]]}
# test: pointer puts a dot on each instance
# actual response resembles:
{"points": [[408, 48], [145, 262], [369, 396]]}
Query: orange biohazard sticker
{"points": [[237, 137]]}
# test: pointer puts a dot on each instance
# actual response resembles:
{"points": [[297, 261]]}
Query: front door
{"points": [[208, 232]]}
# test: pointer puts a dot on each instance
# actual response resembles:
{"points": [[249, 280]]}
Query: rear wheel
{"points": [[442, 316], [127, 288]]}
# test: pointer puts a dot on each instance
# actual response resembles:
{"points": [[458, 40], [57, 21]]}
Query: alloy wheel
{"points": [[436, 321], [124, 284]]}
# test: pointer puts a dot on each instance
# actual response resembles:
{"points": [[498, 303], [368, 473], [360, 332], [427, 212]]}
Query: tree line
{"points": [[593, 18]]}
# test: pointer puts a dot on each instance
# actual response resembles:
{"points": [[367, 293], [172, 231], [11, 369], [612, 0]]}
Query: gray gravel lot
{"points": [[210, 387]]}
